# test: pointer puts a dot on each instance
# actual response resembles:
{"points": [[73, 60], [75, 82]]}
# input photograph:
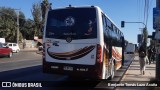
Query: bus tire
{"points": [[104, 70], [112, 71]]}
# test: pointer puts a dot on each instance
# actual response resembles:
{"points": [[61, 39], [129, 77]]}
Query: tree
{"points": [[36, 12], [8, 24], [152, 42], [145, 37], [22, 19], [45, 5], [28, 29], [39, 11]]}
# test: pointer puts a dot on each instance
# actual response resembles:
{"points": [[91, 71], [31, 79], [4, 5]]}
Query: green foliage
{"points": [[145, 34], [44, 7], [21, 19], [8, 25], [152, 42], [36, 12], [145, 37], [27, 29]]}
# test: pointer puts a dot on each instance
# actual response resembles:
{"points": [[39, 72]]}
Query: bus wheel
{"points": [[104, 69], [112, 71]]}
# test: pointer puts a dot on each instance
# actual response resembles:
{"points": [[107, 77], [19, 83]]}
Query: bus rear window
{"points": [[78, 23]]}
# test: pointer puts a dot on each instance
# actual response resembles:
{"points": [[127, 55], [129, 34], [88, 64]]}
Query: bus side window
{"points": [[104, 22]]}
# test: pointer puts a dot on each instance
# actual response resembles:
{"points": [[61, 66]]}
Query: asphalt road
{"points": [[27, 67], [20, 60], [24, 66]]}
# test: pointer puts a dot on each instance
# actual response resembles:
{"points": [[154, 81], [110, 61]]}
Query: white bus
{"points": [[82, 42]]}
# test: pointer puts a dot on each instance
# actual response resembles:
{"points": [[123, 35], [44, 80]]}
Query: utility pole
{"points": [[157, 40], [17, 26]]}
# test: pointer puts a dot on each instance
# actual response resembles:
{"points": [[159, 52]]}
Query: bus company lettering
{"points": [[19, 84], [34, 85], [132, 84], [14, 84], [69, 33]]}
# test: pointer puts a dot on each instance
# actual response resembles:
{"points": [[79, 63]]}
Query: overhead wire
{"points": [[147, 12], [140, 10], [147, 7], [144, 12]]}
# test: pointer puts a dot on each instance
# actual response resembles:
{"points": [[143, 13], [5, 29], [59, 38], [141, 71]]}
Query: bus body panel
{"points": [[79, 71], [59, 51], [117, 56], [70, 49]]}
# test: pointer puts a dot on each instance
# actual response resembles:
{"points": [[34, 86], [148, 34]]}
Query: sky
{"points": [[117, 10]]}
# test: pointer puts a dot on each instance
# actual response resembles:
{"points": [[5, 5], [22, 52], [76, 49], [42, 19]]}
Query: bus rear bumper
{"points": [[73, 70]]}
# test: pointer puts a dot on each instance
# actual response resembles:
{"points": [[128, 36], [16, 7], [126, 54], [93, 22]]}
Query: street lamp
{"points": [[123, 23], [144, 40]]}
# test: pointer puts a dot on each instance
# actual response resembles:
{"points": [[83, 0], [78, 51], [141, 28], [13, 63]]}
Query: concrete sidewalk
{"points": [[133, 75], [32, 50], [118, 74], [29, 49]]}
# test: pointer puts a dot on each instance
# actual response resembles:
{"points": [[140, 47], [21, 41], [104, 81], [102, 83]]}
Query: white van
{"points": [[2, 40]]}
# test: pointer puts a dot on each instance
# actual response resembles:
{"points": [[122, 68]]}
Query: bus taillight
{"points": [[99, 53]]}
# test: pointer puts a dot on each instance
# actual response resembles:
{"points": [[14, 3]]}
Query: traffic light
{"points": [[122, 24], [150, 36], [153, 35], [139, 38]]}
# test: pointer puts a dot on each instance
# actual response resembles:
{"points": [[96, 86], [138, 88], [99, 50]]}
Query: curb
{"points": [[29, 50], [123, 75], [127, 68], [39, 52]]}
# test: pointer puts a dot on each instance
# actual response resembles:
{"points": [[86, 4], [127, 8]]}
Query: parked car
{"points": [[14, 46], [5, 51]]}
